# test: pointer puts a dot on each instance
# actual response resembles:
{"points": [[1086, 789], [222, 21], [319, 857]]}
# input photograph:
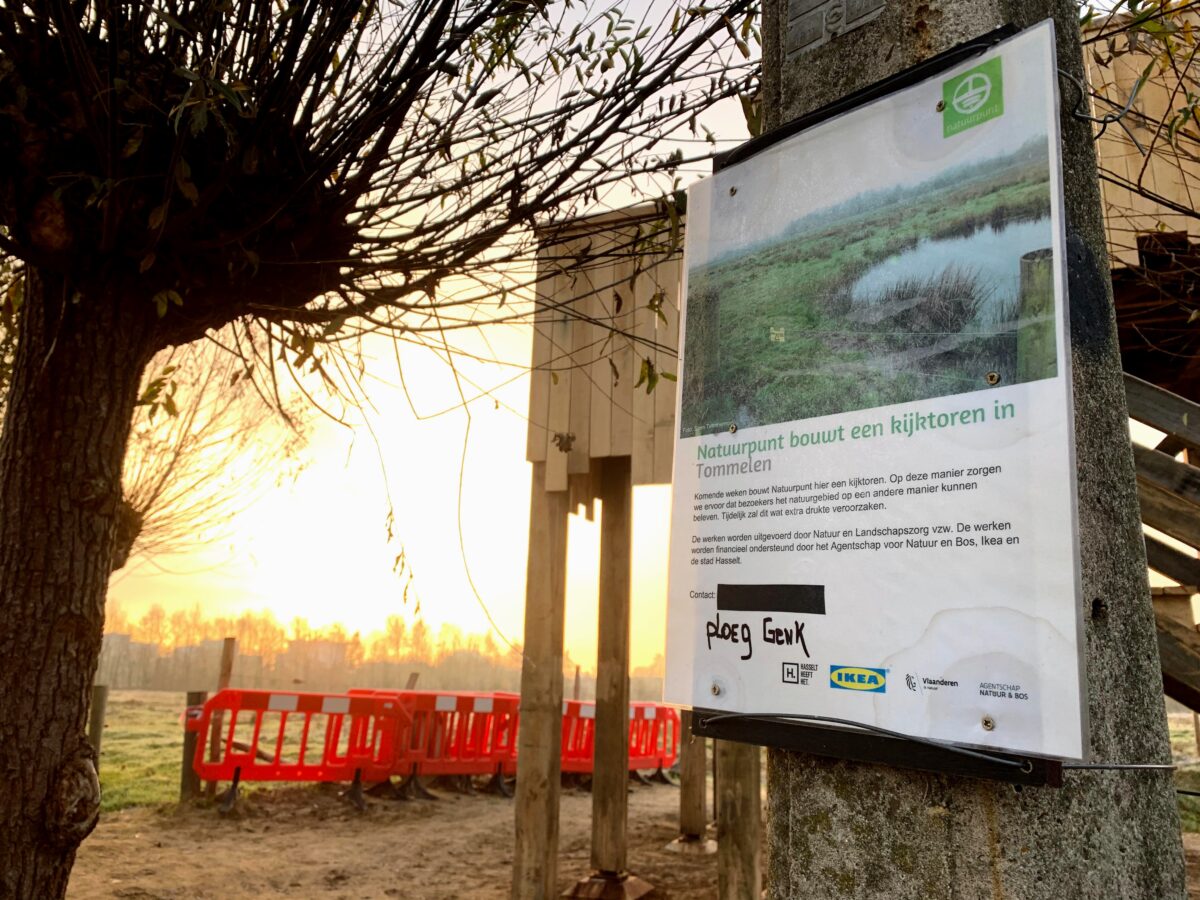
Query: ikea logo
{"points": [[856, 678]]}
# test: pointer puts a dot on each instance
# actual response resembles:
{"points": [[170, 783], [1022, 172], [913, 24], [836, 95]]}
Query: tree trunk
{"points": [[75, 382]]}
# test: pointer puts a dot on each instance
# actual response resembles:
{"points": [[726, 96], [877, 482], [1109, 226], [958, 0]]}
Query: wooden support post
{"points": [[610, 781], [189, 781], [693, 790], [539, 762], [739, 814], [411, 684], [96, 719], [224, 676], [575, 693]]}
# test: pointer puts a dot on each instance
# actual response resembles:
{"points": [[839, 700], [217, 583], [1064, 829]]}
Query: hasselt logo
{"points": [[857, 678]]}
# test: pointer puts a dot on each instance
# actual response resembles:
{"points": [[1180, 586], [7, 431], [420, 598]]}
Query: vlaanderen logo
{"points": [[972, 98]]}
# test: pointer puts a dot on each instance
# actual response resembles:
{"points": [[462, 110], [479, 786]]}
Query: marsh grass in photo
{"points": [[892, 296]]}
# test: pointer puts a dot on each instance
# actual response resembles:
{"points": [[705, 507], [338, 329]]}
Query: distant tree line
{"points": [[181, 651]]}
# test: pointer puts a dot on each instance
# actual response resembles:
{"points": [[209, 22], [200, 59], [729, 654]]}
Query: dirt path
{"points": [[295, 842]]}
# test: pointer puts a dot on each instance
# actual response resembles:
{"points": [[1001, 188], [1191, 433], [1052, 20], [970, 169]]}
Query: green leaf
{"points": [[158, 215], [133, 144], [163, 300]]}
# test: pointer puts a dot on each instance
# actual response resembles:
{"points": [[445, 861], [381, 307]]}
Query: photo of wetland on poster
{"points": [[933, 285]]}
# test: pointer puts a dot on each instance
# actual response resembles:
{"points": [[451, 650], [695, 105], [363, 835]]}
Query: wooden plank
{"points": [[1177, 608], [600, 308], [558, 421], [582, 291], [667, 334], [641, 446], [1162, 471], [739, 821], [623, 358], [1163, 410], [1170, 562], [610, 781], [539, 376], [539, 740], [1169, 514], [1179, 653]]}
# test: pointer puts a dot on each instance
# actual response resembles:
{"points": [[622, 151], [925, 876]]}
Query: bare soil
{"points": [[306, 842]]}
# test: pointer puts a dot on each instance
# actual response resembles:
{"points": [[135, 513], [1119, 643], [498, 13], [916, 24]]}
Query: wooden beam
{"points": [[1169, 513], [1179, 651], [1169, 474], [535, 859], [1170, 562], [739, 821], [1162, 410], [610, 783], [693, 776]]}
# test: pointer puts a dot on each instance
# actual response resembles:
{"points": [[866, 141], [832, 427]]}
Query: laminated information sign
{"points": [[874, 509]]}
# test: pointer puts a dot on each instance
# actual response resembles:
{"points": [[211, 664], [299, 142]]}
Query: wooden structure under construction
{"points": [[605, 331]]}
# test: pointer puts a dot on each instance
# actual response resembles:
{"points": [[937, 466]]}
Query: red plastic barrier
{"points": [[578, 736], [653, 736], [292, 736], [454, 732]]}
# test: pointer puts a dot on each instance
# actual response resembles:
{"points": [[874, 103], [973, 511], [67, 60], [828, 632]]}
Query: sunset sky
{"points": [[318, 549]]}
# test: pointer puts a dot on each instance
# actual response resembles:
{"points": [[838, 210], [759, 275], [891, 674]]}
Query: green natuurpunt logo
{"points": [[972, 98]]}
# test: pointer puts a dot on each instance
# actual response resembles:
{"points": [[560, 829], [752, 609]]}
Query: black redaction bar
{"points": [[799, 599]]}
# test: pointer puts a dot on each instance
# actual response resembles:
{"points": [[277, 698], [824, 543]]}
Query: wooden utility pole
{"points": [[739, 817], [539, 761], [841, 829]]}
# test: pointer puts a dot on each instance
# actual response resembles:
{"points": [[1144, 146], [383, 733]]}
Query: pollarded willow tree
{"points": [[302, 172]]}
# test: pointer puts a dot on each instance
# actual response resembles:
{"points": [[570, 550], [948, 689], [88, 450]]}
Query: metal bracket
{"points": [[842, 743]]}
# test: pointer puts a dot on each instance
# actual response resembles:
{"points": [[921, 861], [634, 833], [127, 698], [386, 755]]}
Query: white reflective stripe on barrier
{"points": [[335, 705], [483, 704], [446, 704], [283, 702], [587, 711], [651, 712]]}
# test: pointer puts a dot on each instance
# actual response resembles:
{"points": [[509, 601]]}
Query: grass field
{"points": [[142, 749], [773, 333]]}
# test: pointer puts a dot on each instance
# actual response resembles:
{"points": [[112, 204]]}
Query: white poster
{"points": [[874, 493]]}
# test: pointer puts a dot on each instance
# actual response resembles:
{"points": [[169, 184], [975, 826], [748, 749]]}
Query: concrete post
{"points": [[841, 830]]}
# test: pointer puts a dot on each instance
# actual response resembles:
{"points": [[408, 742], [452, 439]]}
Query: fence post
{"points": [[739, 821], [693, 790], [189, 781], [224, 676], [96, 719]]}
